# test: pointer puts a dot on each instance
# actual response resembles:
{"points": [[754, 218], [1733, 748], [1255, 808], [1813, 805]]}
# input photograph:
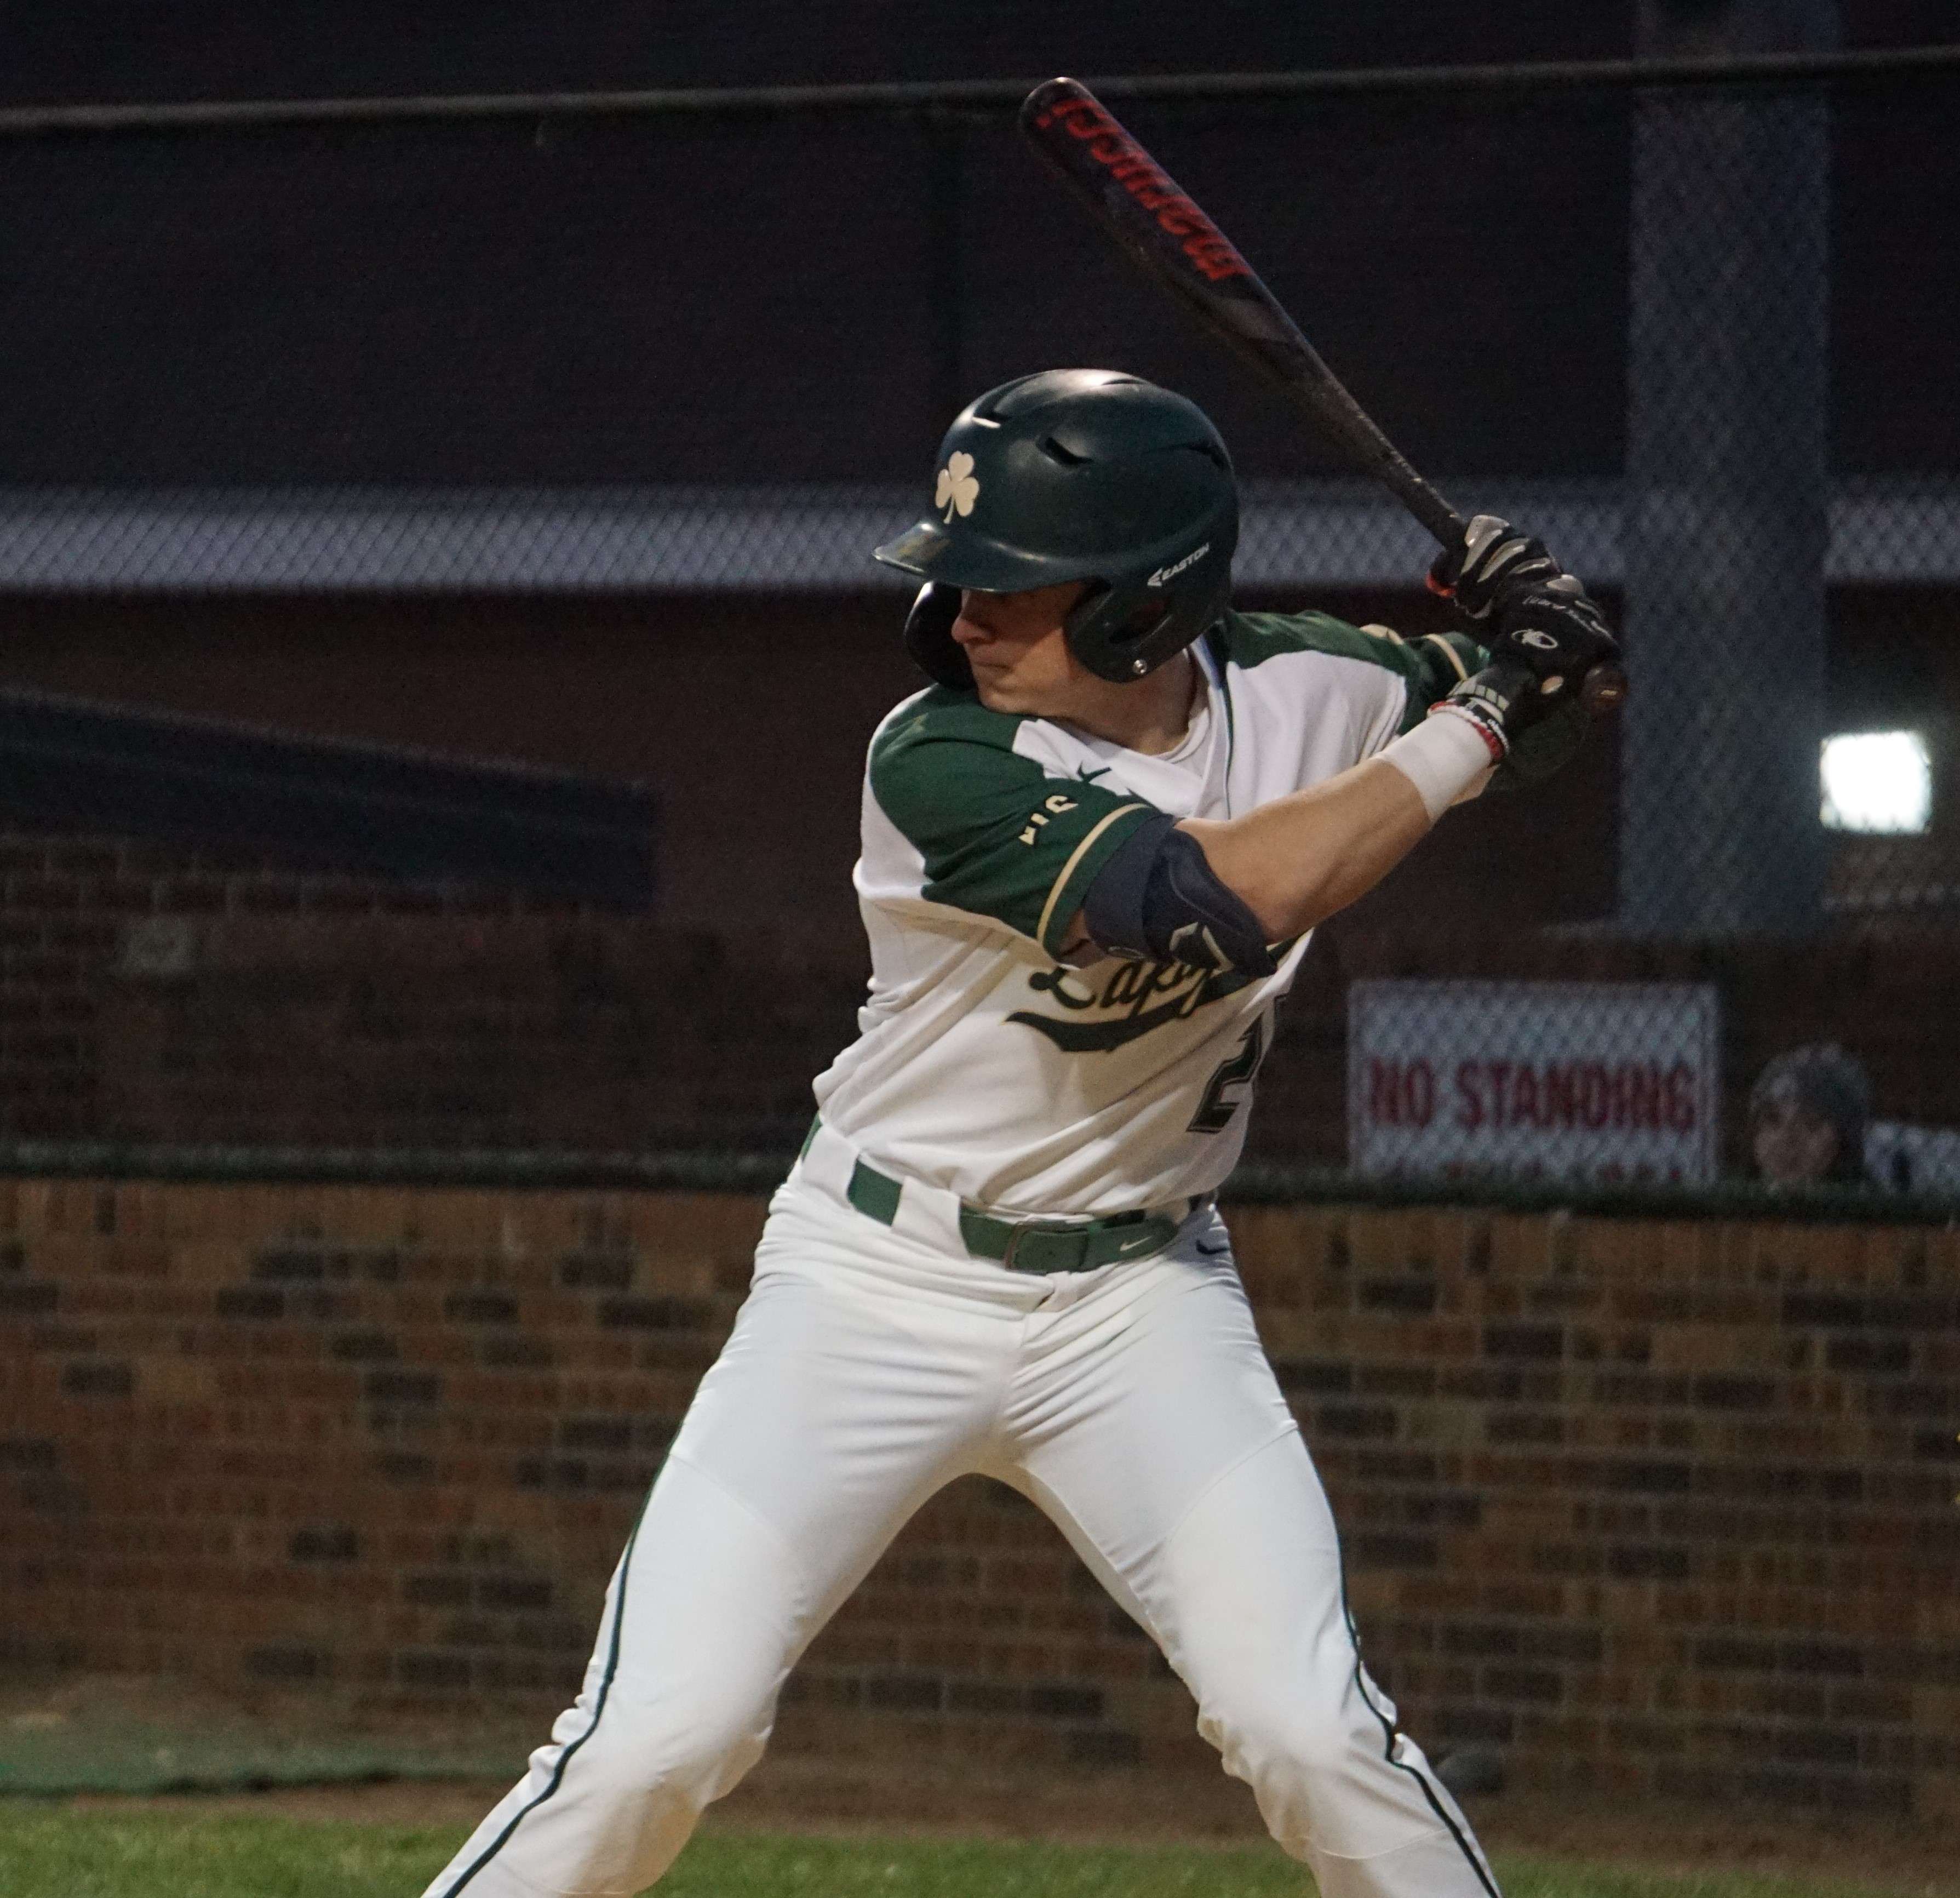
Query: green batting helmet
{"points": [[1077, 474]]}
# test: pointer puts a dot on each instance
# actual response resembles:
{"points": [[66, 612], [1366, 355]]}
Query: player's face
{"points": [[1019, 654]]}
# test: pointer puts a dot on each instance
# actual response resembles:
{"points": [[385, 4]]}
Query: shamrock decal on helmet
{"points": [[957, 487]]}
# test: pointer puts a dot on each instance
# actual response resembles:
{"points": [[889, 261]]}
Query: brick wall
{"points": [[149, 994], [165, 996], [1655, 1505]]}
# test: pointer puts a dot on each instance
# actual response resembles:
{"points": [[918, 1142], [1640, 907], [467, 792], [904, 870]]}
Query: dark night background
{"points": [[639, 300]]}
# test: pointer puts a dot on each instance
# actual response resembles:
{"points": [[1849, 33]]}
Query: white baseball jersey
{"points": [[984, 1065]]}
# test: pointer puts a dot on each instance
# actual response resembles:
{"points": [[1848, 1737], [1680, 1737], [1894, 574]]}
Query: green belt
{"points": [[1024, 1245]]}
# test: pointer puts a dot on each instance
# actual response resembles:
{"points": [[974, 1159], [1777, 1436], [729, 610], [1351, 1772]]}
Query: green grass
{"points": [[51, 1851], [134, 1759], [105, 1734]]}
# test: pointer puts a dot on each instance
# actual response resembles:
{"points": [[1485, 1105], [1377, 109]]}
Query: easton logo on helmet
{"points": [[957, 488], [1172, 572]]}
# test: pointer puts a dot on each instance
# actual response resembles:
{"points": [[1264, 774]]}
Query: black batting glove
{"points": [[1555, 631], [1502, 701], [1528, 610], [1493, 560], [1545, 743]]}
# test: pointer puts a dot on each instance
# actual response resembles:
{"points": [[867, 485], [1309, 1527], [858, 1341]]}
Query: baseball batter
{"points": [[1091, 854]]}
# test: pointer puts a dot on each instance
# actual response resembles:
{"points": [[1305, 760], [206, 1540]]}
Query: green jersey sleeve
{"points": [[1428, 666], [1000, 838], [1437, 664]]}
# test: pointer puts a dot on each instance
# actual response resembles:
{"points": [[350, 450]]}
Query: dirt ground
{"points": [[802, 1793]]}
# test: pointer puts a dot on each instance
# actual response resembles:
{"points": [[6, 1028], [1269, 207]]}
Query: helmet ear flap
{"points": [[1108, 632], [1123, 633], [929, 636], [1143, 620]]}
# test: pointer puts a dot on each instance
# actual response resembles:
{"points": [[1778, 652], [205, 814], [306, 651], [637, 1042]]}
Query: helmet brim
{"points": [[932, 550]]}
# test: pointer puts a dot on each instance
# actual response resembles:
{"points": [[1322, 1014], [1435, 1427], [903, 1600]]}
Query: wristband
{"points": [[1474, 700], [1442, 757]]}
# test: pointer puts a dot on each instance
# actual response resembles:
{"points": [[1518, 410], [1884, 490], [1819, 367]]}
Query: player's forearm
{"points": [[1295, 861], [1300, 859]]}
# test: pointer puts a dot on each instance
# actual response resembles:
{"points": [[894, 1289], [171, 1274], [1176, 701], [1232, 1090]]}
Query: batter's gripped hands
{"points": [[1530, 612], [1492, 560], [1555, 631], [1503, 702], [1533, 732]]}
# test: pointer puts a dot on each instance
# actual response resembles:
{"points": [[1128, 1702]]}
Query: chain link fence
{"points": [[1699, 337]]}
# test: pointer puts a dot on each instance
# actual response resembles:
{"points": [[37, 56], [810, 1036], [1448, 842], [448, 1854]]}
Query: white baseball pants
{"points": [[869, 1366]]}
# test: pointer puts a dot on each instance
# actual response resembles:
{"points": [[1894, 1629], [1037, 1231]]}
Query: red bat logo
{"points": [[1129, 165]]}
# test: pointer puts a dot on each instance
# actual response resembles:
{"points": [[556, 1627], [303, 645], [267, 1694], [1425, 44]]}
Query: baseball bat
{"points": [[1173, 240]]}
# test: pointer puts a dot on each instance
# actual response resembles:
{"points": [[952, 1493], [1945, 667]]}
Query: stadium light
{"points": [[1878, 782]]}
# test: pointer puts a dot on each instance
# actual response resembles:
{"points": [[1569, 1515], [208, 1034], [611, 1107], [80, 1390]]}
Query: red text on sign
{"points": [[1570, 1095]]}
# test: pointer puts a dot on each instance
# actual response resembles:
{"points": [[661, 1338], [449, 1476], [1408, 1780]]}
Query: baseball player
{"points": [[1093, 851]]}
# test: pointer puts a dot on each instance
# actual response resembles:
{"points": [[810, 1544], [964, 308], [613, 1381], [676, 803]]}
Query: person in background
{"points": [[1809, 1113]]}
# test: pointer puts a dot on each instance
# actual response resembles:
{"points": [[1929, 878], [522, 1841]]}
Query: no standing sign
{"points": [[1591, 1081]]}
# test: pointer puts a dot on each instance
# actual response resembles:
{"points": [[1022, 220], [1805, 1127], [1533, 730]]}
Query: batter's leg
{"points": [[825, 1422], [676, 1705], [1177, 1474]]}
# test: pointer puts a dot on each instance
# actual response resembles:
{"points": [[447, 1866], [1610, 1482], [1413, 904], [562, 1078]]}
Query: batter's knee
{"points": [[1321, 1757], [1298, 1729], [692, 1742]]}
